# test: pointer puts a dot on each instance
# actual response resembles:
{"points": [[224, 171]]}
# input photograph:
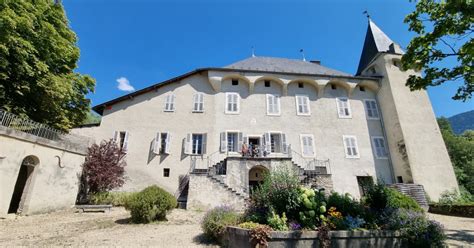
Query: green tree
{"points": [[38, 55], [461, 152], [444, 35]]}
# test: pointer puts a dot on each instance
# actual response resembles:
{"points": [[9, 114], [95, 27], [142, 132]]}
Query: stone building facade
{"points": [[186, 134]]}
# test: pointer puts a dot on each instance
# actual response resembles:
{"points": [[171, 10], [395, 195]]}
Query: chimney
{"points": [[318, 62]]}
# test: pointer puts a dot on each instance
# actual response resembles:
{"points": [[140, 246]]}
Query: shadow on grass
{"points": [[201, 239]]}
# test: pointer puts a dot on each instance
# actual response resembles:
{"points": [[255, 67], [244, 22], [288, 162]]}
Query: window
{"points": [[362, 88], [350, 146], [371, 109], [399, 179], [232, 103], [166, 172], [300, 85], [161, 144], [267, 83], [195, 144], [380, 149], [343, 107], [275, 142], [333, 86], [396, 63], [307, 145], [235, 82], [273, 104], [198, 102], [302, 105], [121, 138], [372, 70], [169, 103], [231, 141]]}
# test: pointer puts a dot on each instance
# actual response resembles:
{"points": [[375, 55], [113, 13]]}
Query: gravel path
{"points": [[460, 230], [67, 228], [182, 229]]}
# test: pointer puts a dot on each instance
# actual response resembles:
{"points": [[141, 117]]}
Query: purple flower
{"points": [[295, 226]]}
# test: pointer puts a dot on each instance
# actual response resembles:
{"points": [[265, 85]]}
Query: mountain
{"points": [[462, 122]]}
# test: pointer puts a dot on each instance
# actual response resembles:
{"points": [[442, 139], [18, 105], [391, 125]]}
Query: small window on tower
{"points": [[300, 85], [333, 86], [235, 82], [166, 172], [372, 70], [362, 88], [396, 63], [267, 83], [399, 179]]}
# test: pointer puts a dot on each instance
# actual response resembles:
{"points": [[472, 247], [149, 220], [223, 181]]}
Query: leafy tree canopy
{"points": [[461, 152], [444, 34], [38, 55]]}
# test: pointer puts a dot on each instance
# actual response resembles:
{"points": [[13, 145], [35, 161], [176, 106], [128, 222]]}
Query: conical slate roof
{"points": [[375, 41], [271, 64]]}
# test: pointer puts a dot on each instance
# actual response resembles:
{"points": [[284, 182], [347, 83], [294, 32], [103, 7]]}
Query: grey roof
{"points": [[376, 41], [271, 64]]}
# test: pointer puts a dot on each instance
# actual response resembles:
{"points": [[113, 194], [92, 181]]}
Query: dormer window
{"points": [[267, 83], [372, 70], [396, 63], [333, 86], [362, 88], [300, 85], [235, 82]]}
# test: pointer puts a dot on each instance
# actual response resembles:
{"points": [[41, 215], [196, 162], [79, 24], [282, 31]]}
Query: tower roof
{"points": [[376, 41]]}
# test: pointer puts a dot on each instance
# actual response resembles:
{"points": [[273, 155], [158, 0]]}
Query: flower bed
{"points": [[283, 213], [241, 238]]}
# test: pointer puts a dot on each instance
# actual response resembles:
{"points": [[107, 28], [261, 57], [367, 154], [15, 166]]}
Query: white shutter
{"points": [[240, 141], [168, 143], [277, 104], [204, 143], [125, 142], [284, 144], [116, 136], [223, 142], [267, 143], [188, 144], [157, 143], [246, 139]]}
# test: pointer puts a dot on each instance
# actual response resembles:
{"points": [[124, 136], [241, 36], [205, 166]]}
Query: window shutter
{"points": [[168, 143], [204, 143], [156, 143], [188, 143], [237, 102], [246, 139], [269, 104], [125, 142], [267, 142], [340, 107], [284, 144], [240, 142], [116, 136], [223, 142]]}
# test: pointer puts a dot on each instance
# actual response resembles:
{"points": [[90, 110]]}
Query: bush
{"points": [[279, 191], [453, 197], [115, 199], [416, 229], [249, 225], [150, 204], [216, 220], [278, 223], [379, 198], [345, 204], [311, 208]]}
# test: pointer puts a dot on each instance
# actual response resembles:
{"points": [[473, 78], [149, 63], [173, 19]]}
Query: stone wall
{"points": [[320, 181], [53, 183], [240, 238], [205, 193]]}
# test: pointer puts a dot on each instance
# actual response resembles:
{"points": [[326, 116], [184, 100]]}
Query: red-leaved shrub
{"points": [[103, 169]]}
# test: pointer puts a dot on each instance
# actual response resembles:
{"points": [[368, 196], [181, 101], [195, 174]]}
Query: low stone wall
{"points": [[240, 238], [453, 210]]}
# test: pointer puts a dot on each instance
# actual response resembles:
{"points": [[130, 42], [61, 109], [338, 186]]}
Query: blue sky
{"points": [[136, 43]]}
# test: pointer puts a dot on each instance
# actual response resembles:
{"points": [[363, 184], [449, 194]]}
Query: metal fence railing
{"points": [[25, 125]]}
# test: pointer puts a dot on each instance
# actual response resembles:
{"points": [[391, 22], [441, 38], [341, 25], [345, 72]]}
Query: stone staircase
{"points": [[415, 191]]}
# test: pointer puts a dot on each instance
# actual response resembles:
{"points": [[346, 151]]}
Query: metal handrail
{"points": [[25, 125]]}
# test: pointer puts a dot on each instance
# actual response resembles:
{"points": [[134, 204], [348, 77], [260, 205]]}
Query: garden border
{"points": [[239, 237]]}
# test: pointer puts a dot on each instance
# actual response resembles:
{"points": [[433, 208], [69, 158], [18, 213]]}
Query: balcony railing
{"points": [[25, 125]]}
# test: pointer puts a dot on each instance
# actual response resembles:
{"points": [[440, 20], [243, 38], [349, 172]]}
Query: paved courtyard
{"points": [[182, 229]]}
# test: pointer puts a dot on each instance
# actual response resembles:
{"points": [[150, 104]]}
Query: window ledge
{"points": [[169, 111], [232, 113], [198, 111]]}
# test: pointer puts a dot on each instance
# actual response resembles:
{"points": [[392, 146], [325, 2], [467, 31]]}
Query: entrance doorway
{"points": [[22, 184], [256, 177]]}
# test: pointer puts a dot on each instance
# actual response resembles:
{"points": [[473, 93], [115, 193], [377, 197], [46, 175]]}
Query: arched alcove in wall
{"points": [[23, 184]]}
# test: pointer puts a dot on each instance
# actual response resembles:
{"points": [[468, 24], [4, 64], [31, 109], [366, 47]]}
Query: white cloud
{"points": [[124, 84]]}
